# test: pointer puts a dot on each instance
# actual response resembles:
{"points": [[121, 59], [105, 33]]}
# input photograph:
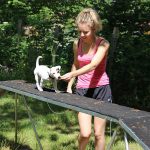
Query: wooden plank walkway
{"points": [[135, 122]]}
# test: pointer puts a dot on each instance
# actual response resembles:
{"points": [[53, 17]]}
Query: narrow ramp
{"points": [[135, 122]]}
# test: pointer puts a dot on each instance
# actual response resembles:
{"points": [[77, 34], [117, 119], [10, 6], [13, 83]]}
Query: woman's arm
{"points": [[100, 54], [74, 66]]}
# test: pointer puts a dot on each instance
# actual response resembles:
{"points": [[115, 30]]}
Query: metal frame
{"points": [[32, 122], [76, 108], [109, 146]]}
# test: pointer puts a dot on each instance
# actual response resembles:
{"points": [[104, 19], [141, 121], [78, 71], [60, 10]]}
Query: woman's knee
{"points": [[99, 136], [85, 125], [85, 135], [99, 128]]}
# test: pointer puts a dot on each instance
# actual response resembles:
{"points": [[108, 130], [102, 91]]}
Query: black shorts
{"points": [[102, 93]]}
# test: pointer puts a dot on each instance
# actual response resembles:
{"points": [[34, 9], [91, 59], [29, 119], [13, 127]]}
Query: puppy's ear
{"points": [[58, 67]]}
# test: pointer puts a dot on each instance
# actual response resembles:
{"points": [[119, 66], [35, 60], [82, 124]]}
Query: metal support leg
{"points": [[16, 122], [112, 139], [126, 141], [110, 125], [33, 124]]}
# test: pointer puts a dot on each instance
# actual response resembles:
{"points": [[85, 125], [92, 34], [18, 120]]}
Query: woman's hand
{"points": [[69, 90], [67, 76]]}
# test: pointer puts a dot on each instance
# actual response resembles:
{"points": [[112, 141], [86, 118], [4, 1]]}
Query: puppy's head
{"points": [[55, 72]]}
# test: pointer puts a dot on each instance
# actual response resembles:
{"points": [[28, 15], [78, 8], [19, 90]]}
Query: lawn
{"points": [[57, 127]]}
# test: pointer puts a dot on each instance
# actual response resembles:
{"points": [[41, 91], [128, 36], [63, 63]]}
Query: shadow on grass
{"points": [[66, 130], [12, 145]]}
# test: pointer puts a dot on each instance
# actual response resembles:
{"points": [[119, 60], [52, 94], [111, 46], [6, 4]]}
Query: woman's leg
{"points": [[99, 132], [85, 129]]}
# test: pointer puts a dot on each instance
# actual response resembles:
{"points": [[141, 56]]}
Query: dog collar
{"points": [[51, 77]]}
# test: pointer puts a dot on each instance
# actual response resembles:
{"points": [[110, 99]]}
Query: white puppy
{"points": [[42, 72]]}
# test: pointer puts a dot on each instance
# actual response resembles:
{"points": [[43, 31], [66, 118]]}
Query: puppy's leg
{"points": [[41, 84], [37, 83], [55, 86]]}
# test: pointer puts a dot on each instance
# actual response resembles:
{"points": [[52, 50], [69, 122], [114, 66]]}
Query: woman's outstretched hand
{"points": [[67, 76]]}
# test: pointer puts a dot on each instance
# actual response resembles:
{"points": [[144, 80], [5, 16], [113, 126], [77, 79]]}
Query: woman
{"points": [[90, 54]]}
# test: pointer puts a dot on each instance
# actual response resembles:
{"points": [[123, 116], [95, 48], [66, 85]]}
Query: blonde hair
{"points": [[91, 17]]}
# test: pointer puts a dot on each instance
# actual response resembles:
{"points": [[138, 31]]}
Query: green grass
{"points": [[57, 130]]}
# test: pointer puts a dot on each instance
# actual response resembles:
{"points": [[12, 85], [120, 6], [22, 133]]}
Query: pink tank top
{"points": [[94, 78]]}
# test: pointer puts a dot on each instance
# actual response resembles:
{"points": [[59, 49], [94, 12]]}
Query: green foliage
{"points": [[132, 63]]}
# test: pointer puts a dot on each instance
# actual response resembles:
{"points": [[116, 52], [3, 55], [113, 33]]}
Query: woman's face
{"points": [[86, 32]]}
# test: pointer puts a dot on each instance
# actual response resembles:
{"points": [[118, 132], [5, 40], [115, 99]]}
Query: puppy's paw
{"points": [[40, 89], [57, 91]]}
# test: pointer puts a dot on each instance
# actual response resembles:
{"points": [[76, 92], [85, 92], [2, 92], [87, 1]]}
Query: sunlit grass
{"points": [[56, 131]]}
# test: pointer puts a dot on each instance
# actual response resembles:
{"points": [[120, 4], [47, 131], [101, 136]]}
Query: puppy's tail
{"points": [[37, 60]]}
